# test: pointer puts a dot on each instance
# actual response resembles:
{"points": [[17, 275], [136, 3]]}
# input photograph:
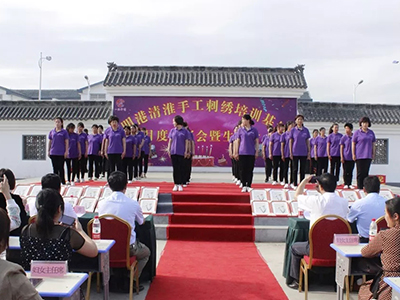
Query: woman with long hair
{"points": [[333, 149], [320, 152], [94, 152], [58, 147], [275, 153], [146, 151], [127, 162], [246, 151], [47, 239], [346, 157], [84, 144], [287, 162], [74, 154], [314, 163], [115, 145]]}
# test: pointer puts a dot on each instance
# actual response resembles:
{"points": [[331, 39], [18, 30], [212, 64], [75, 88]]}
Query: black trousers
{"points": [[104, 165], [115, 163], [127, 167], [82, 166], [286, 164], [278, 164], [268, 168], [143, 163], [363, 166], [314, 166], [348, 167], [246, 163], [178, 166], [58, 166], [96, 160], [298, 250], [322, 166], [135, 167], [303, 162], [335, 166], [235, 168], [74, 169], [188, 169]]}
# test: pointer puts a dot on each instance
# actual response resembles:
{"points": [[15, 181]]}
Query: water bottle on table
{"points": [[373, 229], [96, 229]]}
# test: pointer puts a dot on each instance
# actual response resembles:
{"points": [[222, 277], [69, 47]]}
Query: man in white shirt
{"points": [[120, 205], [52, 181], [370, 207], [327, 202]]}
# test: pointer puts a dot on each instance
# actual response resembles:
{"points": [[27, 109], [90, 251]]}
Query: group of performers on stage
{"points": [[123, 149]]}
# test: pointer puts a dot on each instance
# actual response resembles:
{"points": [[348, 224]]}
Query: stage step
{"points": [[212, 208], [212, 196], [211, 219]]}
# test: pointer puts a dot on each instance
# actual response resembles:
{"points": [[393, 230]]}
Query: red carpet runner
{"points": [[213, 270]]}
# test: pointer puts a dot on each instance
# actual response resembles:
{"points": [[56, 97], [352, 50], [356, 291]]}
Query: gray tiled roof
{"points": [[348, 112], [205, 76], [47, 110], [50, 94]]}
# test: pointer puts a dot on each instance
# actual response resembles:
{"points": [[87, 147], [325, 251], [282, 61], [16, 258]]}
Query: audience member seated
{"points": [[13, 282], [12, 203], [46, 239], [327, 202], [368, 208], [387, 245], [127, 209], [52, 181]]}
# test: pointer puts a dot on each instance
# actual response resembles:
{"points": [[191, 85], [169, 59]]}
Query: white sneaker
{"points": [[233, 178], [244, 189], [241, 185], [101, 176], [282, 183], [130, 181], [95, 179], [72, 183], [82, 180], [68, 183], [346, 187], [274, 183], [292, 186], [90, 178], [238, 182], [286, 186], [352, 187], [180, 189], [185, 185], [175, 189], [249, 189]]}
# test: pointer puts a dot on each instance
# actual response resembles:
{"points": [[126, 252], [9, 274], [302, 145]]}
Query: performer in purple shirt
{"points": [[333, 149], [146, 144], [345, 155], [235, 173], [58, 147], [363, 150], [246, 150], [104, 160], [314, 163], [178, 149], [94, 152], [137, 154], [320, 152], [115, 145], [83, 141], [74, 154], [275, 153], [127, 161], [265, 153], [299, 148], [287, 162]]}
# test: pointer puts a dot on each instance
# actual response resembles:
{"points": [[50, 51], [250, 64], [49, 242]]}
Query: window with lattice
{"points": [[34, 147], [382, 152]]}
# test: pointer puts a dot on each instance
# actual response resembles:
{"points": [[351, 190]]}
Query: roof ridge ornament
{"points": [[112, 66]]}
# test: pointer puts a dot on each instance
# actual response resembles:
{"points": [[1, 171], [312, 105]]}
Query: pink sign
{"points": [[40, 269], [79, 210], [346, 239]]}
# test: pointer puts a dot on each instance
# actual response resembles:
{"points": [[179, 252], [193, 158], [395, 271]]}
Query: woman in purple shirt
{"points": [[115, 145], [287, 162], [58, 148], [275, 153], [363, 150], [94, 152], [314, 163], [265, 153], [74, 154], [137, 153], [104, 160], [321, 156], [345, 155], [246, 150], [235, 176], [299, 148], [146, 144], [178, 150], [83, 141], [333, 149], [127, 162]]}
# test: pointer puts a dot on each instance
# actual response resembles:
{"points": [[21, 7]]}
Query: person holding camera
{"points": [[327, 202]]}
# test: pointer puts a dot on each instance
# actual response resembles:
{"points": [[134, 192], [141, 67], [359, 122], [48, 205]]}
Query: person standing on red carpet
{"points": [[235, 175], [333, 149], [287, 162], [188, 160], [58, 147], [246, 151], [178, 149], [275, 153], [320, 152], [346, 157]]}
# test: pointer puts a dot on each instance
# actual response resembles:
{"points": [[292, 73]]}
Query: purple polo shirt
{"points": [[275, 140], [192, 139], [263, 138], [82, 140], [334, 139], [285, 138], [58, 141], [312, 144], [266, 144], [130, 141], [247, 140], [73, 145], [321, 142], [178, 140], [146, 145], [115, 140], [346, 141], [138, 138], [299, 138], [94, 141], [364, 142]]}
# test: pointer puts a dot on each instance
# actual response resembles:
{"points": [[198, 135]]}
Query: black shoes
{"points": [[294, 285]]}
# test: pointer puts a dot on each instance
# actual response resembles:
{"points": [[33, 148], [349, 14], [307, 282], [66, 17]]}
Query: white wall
{"points": [[5, 96], [11, 133], [95, 89]]}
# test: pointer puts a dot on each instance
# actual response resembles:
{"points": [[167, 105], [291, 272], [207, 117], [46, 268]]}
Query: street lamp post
{"points": [[355, 90], [40, 67], [88, 85]]}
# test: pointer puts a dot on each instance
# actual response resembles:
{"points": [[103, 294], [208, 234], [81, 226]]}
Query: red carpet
{"points": [[213, 270]]}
